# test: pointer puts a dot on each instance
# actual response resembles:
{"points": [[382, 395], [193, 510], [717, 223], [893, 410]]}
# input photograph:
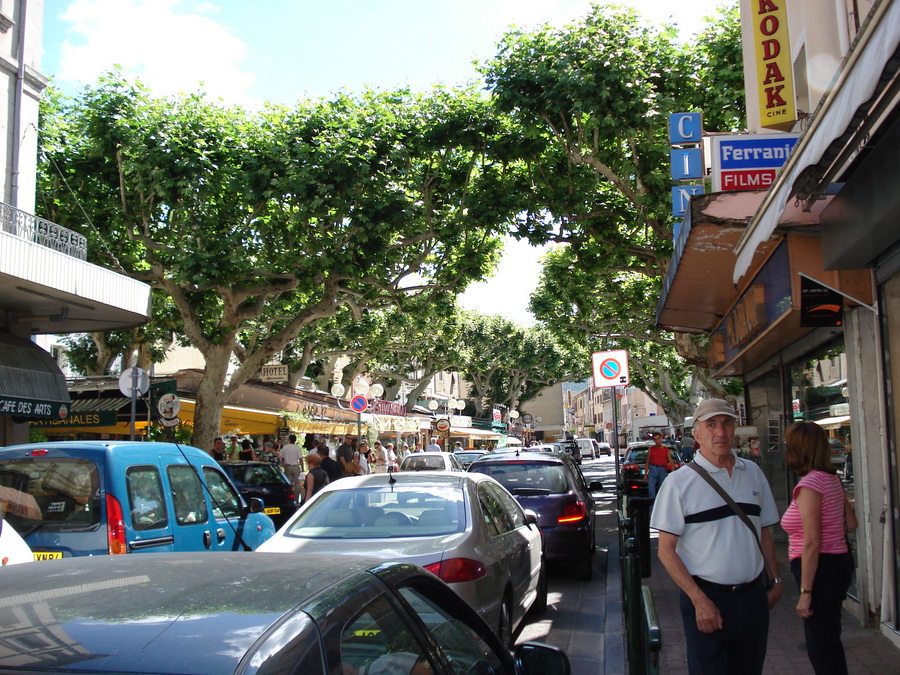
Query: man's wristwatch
{"points": [[773, 581], [805, 590]]}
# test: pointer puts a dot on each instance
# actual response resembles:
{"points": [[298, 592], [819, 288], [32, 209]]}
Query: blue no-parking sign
{"points": [[359, 404], [610, 369]]}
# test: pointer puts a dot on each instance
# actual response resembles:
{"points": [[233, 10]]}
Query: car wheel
{"points": [[584, 567], [504, 625], [540, 602]]}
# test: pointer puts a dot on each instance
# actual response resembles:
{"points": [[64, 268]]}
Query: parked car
{"points": [[572, 448], [551, 485], [838, 452], [467, 456], [632, 471], [193, 613], [431, 461], [465, 528], [83, 498], [604, 448], [267, 482]]}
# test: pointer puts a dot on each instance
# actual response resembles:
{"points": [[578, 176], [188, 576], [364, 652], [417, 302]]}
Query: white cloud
{"points": [[170, 45]]}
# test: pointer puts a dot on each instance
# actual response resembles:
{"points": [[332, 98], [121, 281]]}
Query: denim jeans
{"points": [[655, 478], [739, 647], [823, 629]]}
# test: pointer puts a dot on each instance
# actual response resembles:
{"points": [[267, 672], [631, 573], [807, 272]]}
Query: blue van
{"points": [[82, 498]]}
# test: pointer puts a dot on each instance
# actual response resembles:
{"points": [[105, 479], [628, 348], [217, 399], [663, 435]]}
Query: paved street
{"points": [[585, 618]]}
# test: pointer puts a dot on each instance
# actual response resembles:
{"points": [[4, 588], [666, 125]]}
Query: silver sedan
{"points": [[464, 527]]}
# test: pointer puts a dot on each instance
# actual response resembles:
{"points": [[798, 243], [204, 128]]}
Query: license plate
{"points": [[272, 511], [47, 555]]}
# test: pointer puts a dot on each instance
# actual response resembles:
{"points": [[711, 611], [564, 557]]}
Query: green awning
{"points": [[31, 384]]}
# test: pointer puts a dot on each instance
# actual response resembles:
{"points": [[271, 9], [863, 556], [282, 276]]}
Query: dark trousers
{"points": [[739, 647], [823, 628]]}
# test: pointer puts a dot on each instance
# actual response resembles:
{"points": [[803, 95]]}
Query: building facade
{"points": [[798, 285], [46, 284]]}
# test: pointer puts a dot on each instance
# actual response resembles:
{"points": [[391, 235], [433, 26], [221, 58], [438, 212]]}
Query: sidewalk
{"points": [[868, 651]]}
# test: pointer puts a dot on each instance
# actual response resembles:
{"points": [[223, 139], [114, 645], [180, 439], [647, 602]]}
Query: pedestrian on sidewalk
{"points": [[817, 522], [659, 457], [709, 551], [292, 460]]}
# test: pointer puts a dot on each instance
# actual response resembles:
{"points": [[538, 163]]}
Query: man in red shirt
{"points": [[658, 457]]}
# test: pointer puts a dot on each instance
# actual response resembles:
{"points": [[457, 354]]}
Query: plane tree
{"points": [[593, 98], [259, 225]]}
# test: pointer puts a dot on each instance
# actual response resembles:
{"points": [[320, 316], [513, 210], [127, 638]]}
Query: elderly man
{"points": [[711, 554]]}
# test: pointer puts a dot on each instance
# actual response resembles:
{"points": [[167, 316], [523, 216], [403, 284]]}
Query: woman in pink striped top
{"points": [[817, 522]]}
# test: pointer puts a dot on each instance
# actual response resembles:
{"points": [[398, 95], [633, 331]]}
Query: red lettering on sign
{"points": [[773, 97], [773, 74], [769, 25], [767, 6], [771, 49]]}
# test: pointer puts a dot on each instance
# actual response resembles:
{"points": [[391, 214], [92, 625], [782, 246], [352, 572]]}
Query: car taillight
{"points": [[115, 526], [630, 467], [572, 513], [457, 570]]}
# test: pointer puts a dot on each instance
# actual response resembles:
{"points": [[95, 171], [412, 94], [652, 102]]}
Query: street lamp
{"points": [[360, 388], [513, 416]]}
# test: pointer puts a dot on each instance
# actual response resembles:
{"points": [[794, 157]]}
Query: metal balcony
{"points": [[39, 231]]}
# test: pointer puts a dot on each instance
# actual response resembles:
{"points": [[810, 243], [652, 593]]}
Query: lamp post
{"points": [[451, 404], [514, 416], [360, 388]]}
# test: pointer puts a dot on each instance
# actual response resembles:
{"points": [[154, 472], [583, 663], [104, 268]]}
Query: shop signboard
{"points": [[745, 162]]}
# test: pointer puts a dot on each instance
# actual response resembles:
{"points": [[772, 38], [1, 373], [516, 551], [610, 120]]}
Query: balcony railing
{"points": [[31, 228]]}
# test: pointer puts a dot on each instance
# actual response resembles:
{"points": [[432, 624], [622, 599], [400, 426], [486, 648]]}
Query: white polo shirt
{"points": [[713, 542]]}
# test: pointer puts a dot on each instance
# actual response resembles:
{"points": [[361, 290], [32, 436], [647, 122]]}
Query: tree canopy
{"points": [[257, 226]]}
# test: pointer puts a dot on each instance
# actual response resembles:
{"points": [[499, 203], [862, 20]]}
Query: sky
{"points": [[283, 51]]}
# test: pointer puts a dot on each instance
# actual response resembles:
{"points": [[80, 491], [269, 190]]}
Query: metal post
{"points": [[134, 393], [615, 431]]}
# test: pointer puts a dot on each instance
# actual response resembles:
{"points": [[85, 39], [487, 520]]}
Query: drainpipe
{"points": [[17, 108]]}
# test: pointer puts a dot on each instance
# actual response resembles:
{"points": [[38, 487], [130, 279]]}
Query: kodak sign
{"points": [[774, 73]]}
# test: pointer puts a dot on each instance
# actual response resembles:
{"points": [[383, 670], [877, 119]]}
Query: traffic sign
{"points": [[133, 381], [359, 404], [610, 369]]}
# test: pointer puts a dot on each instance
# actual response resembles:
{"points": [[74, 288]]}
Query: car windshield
{"points": [[528, 478], [424, 510], [255, 475], [50, 494], [427, 463]]}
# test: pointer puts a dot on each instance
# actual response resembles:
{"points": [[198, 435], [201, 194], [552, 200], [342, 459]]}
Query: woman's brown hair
{"points": [[807, 449]]}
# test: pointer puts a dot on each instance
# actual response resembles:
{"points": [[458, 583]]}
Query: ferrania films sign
{"points": [[774, 74]]}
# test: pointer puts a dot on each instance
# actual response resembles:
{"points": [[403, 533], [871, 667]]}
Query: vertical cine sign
{"points": [[686, 158]]}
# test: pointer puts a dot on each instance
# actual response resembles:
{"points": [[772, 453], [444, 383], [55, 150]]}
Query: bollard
{"points": [[651, 632], [631, 585]]}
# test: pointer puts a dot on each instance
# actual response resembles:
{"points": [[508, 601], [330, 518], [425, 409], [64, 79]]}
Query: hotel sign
{"points": [[748, 161], [774, 74]]}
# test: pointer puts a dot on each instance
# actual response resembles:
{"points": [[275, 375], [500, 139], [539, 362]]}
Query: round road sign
{"points": [[359, 403]]}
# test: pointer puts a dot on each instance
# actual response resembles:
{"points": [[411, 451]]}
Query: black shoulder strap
{"points": [[728, 500]]}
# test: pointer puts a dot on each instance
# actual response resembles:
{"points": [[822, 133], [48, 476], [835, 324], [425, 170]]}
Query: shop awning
{"points": [[841, 112], [833, 422], [323, 427], [471, 432], [237, 419], [31, 384]]}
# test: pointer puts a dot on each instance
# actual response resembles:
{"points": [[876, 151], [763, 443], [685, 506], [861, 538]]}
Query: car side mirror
{"points": [[535, 658], [595, 486], [531, 517], [254, 505]]}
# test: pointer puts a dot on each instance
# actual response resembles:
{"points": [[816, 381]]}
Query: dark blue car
{"points": [[551, 485]]}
